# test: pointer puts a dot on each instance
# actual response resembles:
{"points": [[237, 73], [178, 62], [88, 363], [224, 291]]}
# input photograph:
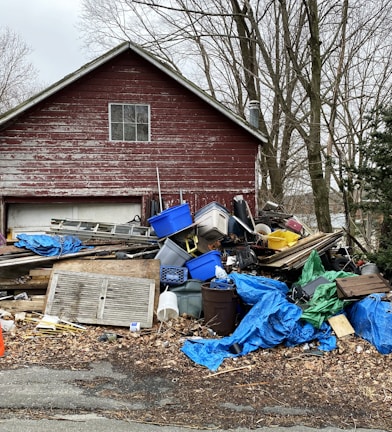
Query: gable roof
{"points": [[87, 68]]}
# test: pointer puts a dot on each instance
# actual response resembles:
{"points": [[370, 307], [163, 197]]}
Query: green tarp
{"points": [[324, 302]]}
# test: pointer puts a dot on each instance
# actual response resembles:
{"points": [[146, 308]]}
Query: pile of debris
{"points": [[184, 265]]}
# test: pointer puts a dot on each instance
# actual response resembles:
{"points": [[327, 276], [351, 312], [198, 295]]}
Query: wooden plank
{"points": [[303, 243], [31, 284], [40, 272], [11, 249], [142, 268], [86, 252], [341, 325], [36, 304], [299, 255], [359, 286]]}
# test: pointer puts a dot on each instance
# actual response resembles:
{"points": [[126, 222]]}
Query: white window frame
{"points": [[133, 123]]}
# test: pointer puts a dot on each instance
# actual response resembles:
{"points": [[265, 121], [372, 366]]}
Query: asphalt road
{"points": [[88, 423], [53, 391]]}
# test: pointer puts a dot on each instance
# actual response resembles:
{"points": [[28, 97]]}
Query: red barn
{"points": [[105, 141]]}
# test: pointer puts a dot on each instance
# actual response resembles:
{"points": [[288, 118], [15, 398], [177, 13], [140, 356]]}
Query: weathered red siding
{"points": [[61, 147]]}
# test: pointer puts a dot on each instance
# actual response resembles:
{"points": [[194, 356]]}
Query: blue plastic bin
{"points": [[171, 220], [203, 266]]}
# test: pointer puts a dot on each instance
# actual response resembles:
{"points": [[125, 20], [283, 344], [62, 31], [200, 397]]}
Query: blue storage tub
{"points": [[203, 266], [171, 220]]}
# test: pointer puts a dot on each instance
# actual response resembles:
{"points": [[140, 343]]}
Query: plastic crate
{"points": [[171, 275], [171, 254], [171, 220], [203, 266]]}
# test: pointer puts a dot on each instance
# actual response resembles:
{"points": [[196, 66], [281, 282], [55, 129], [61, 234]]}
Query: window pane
{"points": [[116, 113], [142, 114], [129, 113], [117, 131], [129, 132], [129, 122], [142, 132]]}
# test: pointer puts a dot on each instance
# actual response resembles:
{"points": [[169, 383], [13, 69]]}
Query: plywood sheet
{"points": [[341, 325], [93, 298]]}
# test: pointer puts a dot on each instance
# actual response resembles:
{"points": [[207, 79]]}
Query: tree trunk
{"points": [[319, 186]]}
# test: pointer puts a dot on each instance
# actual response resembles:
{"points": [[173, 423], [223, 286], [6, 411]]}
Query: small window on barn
{"points": [[129, 122]]}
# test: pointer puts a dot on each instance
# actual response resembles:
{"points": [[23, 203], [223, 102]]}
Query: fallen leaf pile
{"points": [[349, 387]]}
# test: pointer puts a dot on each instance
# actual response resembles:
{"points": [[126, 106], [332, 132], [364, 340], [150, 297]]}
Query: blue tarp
{"points": [[371, 319], [271, 321], [50, 245]]}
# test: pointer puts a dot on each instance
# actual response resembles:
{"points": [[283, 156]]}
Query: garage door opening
{"points": [[35, 218]]}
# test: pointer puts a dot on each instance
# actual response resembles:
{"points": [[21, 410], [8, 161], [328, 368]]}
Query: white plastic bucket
{"points": [[263, 229], [369, 268], [167, 306]]}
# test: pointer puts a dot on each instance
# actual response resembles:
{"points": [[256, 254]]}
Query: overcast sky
{"points": [[48, 27]]}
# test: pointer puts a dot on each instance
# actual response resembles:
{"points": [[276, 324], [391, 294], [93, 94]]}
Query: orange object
{"points": [[2, 349]]}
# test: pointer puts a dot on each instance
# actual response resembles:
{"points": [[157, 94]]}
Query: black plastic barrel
{"points": [[220, 309]]}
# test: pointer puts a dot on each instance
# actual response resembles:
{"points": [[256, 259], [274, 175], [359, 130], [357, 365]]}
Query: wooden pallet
{"points": [[361, 286]]}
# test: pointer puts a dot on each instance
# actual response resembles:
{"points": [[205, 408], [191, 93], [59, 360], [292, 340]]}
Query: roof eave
{"points": [[59, 85], [84, 70]]}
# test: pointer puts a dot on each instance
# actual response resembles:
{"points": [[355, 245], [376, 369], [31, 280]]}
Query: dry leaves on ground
{"points": [[347, 387]]}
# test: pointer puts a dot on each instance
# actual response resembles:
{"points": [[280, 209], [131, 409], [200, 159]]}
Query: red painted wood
{"points": [[61, 147]]}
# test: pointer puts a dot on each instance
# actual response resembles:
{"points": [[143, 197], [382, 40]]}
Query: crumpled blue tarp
{"points": [[371, 319], [271, 321], [50, 245]]}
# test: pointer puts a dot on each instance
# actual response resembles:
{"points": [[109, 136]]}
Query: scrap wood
{"points": [[341, 325], [23, 283], [38, 258], [362, 285], [228, 370], [53, 325], [40, 273], [36, 304], [301, 244], [296, 258], [252, 384]]}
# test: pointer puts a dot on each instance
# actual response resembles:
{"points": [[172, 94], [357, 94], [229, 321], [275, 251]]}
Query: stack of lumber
{"points": [[294, 257]]}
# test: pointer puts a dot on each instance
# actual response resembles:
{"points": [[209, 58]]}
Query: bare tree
{"points": [[308, 62], [17, 74], [359, 80], [220, 47]]}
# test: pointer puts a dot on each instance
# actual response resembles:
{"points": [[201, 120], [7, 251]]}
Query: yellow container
{"points": [[279, 239]]}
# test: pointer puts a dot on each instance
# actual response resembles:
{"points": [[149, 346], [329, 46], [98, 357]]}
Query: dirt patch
{"points": [[349, 387]]}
